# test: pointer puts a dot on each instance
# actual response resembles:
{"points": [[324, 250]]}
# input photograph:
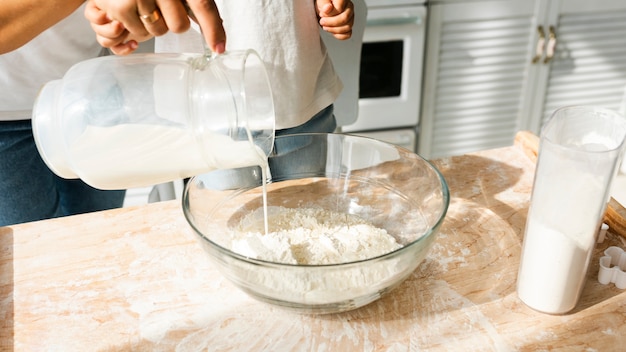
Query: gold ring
{"points": [[151, 18]]}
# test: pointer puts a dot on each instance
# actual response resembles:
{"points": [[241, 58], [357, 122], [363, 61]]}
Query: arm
{"points": [[120, 24], [336, 17], [23, 20]]}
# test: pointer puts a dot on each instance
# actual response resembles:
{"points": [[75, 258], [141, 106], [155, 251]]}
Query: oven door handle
{"points": [[394, 21], [387, 18]]}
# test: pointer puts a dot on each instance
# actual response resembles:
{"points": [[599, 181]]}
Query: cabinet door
{"points": [[477, 68], [589, 63]]}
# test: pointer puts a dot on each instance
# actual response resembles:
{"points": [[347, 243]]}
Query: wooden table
{"points": [[136, 279]]}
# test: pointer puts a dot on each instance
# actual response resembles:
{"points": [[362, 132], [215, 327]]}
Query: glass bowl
{"points": [[389, 187]]}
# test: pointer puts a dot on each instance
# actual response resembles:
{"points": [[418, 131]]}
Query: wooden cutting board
{"points": [[135, 279]]}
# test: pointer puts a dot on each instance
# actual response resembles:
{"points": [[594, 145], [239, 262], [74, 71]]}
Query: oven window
{"points": [[381, 69]]}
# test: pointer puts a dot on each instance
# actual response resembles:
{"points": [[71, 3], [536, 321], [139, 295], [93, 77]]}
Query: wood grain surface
{"points": [[135, 279]]}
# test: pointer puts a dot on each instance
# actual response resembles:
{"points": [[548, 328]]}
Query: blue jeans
{"points": [[323, 122], [312, 160], [29, 191]]}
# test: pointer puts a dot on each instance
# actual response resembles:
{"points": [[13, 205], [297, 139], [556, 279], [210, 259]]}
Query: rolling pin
{"points": [[615, 215]]}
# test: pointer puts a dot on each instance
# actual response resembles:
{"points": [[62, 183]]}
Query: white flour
{"points": [[553, 269], [569, 194], [310, 236], [315, 236]]}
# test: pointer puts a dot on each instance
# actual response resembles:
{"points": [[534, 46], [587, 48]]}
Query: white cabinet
{"points": [[589, 64], [495, 67]]}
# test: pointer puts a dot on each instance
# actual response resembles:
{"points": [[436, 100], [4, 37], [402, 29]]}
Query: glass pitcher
{"points": [[132, 121]]}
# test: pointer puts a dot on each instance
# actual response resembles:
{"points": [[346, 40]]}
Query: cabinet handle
{"points": [[540, 44], [551, 46]]}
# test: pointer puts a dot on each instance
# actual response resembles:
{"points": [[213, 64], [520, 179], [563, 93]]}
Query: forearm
{"points": [[22, 20]]}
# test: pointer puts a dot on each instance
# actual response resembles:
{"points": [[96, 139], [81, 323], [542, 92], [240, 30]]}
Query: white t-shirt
{"points": [[285, 33], [47, 57]]}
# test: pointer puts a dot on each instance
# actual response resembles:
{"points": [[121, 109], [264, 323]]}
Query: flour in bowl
{"points": [[310, 236]]}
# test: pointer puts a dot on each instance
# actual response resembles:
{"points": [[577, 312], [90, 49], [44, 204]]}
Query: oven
{"points": [[390, 80]]}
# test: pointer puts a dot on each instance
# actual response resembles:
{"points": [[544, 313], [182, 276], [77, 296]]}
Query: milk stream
{"points": [[264, 167]]}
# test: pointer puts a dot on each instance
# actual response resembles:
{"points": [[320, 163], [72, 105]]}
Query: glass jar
{"points": [[132, 121]]}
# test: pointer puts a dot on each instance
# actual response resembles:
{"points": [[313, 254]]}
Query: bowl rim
{"points": [[445, 192]]}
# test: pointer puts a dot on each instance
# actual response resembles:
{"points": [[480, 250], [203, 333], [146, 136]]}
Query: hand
{"points": [[336, 17], [121, 24], [110, 33]]}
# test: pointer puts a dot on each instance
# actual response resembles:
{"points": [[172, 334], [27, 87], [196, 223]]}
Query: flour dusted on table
{"points": [[310, 236]]}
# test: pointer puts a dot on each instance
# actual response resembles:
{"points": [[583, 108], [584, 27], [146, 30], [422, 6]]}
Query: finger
{"points": [[341, 33], [122, 45], [125, 48], [117, 42], [342, 5], [102, 25], [324, 8], [343, 36], [125, 12], [114, 33], [94, 15], [345, 20], [151, 17], [105, 27], [174, 15], [330, 8], [208, 17], [109, 42], [111, 30], [345, 17]]}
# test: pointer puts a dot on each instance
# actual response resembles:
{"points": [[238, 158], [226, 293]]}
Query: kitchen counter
{"points": [[137, 279]]}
